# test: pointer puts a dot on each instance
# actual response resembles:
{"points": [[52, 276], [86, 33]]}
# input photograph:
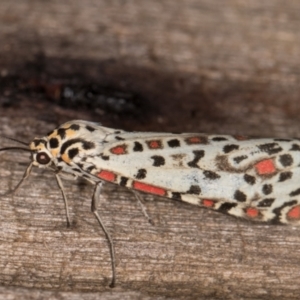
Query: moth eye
{"points": [[43, 158]]}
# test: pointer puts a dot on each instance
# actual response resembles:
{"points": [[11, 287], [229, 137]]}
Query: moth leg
{"points": [[142, 206], [61, 187], [67, 176], [95, 198], [24, 177]]}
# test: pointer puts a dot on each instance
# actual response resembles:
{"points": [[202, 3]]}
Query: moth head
{"points": [[41, 157]]}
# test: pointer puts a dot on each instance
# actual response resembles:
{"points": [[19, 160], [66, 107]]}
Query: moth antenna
{"points": [[15, 140], [15, 148]]}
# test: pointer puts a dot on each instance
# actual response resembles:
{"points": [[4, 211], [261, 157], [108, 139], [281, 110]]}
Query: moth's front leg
{"points": [[61, 187], [95, 198]]}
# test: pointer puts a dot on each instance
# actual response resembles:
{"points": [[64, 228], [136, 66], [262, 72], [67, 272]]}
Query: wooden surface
{"points": [[203, 66]]}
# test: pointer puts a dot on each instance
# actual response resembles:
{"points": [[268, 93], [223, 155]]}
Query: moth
{"points": [[256, 179]]}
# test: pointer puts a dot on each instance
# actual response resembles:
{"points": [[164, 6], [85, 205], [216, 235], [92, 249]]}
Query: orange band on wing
{"points": [[107, 175], [252, 212], [208, 203], [148, 188], [294, 213]]}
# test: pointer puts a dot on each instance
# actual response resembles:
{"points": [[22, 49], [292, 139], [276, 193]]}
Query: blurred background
{"points": [[193, 65]]}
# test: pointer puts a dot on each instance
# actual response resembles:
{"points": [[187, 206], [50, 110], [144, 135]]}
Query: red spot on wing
{"points": [[252, 212], [241, 137], [107, 175], [121, 149], [208, 203], [193, 140], [294, 213], [148, 188], [154, 144], [265, 167]]}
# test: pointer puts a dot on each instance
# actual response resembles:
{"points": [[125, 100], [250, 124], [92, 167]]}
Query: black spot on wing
{"points": [[285, 176], [141, 174], [211, 175], [119, 138], [240, 196], [295, 193], [90, 128], [71, 142], [198, 154], [267, 189], [158, 160], [176, 196], [229, 148], [104, 157], [138, 147], [53, 142], [238, 159], [90, 168], [295, 147], [75, 127], [194, 189], [219, 139], [270, 148], [174, 143], [86, 145], [225, 207], [73, 152], [286, 160], [249, 179], [61, 132], [123, 181], [266, 202]]}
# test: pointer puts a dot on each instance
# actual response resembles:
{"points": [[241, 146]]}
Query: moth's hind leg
{"points": [[139, 198]]}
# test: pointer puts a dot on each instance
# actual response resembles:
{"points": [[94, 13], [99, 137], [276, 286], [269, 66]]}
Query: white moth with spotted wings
{"points": [[255, 179]]}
